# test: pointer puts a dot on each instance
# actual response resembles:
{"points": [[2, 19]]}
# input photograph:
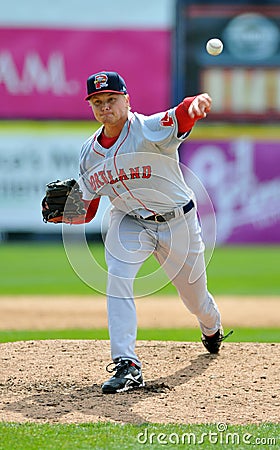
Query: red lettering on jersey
{"points": [[102, 174], [134, 172], [167, 120], [122, 175], [98, 182], [92, 183], [147, 171], [110, 177], [101, 178]]}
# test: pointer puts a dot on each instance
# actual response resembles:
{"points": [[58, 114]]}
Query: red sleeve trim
{"points": [[91, 207], [91, 210], [185, 122]]}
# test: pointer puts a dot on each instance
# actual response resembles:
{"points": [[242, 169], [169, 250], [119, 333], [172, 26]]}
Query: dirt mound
{"points": [[59, 381]]}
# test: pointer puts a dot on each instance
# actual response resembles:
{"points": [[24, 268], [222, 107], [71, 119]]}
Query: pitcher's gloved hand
{"points": [[63, 202]]}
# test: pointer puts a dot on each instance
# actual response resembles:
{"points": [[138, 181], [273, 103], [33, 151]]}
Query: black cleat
{"points": [[213, 343], [128, 376]]}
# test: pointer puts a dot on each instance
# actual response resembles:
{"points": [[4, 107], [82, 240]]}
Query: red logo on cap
{"points": [[101, 81]]}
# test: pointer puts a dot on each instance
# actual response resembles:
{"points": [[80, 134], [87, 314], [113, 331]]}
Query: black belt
{"points": [[170, 215]]}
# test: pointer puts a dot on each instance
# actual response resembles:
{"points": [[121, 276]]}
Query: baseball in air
{"points": [[214, 47]]}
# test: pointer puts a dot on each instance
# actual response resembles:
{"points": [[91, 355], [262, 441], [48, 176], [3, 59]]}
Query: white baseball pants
{"points": [[178, 246]]}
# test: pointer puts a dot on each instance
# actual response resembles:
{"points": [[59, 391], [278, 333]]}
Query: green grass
{"points": [[247, 270], [110, 436], [34, 268], [160, 334]]}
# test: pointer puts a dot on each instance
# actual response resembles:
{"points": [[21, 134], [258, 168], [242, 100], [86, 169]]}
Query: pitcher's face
{"points": [[110, 108]]}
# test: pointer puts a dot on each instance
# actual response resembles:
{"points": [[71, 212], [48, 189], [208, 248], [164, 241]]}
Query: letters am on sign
{"points": [[43, 72]]}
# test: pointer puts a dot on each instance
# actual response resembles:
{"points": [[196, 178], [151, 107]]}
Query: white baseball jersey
{"points": [[140, 173]]}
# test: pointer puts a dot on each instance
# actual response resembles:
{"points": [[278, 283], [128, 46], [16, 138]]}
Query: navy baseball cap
{"points": [[105, 82]]}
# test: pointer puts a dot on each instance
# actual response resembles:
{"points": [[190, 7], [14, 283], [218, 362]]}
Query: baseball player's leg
{"points": [[181, 253], [128, 245], [197, 299]]}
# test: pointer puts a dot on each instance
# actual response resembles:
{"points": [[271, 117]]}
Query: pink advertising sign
{"points": [[242, 178], [43, 72]]}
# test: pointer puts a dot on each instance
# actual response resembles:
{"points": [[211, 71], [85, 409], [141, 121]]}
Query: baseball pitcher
{"points": [[133, 159]]}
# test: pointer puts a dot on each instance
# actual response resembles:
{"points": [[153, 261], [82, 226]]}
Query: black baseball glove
{"points": [[63, 202]]}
